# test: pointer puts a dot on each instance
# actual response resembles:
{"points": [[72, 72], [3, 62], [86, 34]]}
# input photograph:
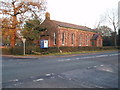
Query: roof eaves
{"points": [[90, 30]]}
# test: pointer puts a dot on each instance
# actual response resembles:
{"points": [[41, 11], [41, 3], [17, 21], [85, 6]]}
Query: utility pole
{"points": [[118, 15], [119, 23]]}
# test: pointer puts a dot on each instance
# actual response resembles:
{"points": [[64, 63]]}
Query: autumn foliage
{"points": [[15, 12]]}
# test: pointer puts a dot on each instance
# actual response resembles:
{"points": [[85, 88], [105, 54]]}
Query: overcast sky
{"points": [[81, 12]]}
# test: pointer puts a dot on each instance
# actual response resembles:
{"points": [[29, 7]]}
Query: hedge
{"points": [[37, 50]]}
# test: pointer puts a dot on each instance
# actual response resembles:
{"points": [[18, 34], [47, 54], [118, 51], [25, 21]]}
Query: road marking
{"points": [[101, 65], [38, 80], [64, 60], [15, 80], [102, 56], [95, 66], [114, 54], [68, 59], [88, 57], [47, 75], [107, 70]]}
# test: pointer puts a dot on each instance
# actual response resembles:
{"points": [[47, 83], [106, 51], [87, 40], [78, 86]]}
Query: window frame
{"points": [[55, 41], [63, 38], [73, 37], [80, 39]]}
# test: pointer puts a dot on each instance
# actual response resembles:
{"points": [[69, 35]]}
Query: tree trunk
{"points": [[115, 39], [13, 36], [115, 34], [12, 41]]}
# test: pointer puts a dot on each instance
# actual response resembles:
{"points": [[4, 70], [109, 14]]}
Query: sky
{"points": [[80, 12]]}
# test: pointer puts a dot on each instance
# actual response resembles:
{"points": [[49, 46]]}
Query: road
{"points": [[92, 70]]}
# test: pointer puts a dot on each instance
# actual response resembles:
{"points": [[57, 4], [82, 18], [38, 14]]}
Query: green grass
{"points": [[67, 53]]}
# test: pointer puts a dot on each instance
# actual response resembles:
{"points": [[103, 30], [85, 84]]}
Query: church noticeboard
{"points": [[43, 43]]}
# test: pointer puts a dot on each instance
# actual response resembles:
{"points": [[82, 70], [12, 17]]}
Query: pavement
{"points": [[91, 70]]}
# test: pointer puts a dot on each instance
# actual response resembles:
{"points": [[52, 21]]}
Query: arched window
{"points": [[54, 38], [73, 36], [63, 38], [87, 39], [80, 40]]}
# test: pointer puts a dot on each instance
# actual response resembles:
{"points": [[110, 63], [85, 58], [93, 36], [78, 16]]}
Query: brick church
{"points": [[61, 34]]}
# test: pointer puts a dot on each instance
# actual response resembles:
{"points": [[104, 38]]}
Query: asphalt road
{"points": [[95, 70]]}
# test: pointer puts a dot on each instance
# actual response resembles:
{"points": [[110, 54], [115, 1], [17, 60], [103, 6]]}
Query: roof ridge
{"points": [[65, 24]]}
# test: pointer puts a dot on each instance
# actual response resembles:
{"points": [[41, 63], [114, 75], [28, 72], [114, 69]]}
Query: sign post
{"points": [[23, 39]]}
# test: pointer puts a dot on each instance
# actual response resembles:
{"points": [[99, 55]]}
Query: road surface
{"points": [[95, 70]]}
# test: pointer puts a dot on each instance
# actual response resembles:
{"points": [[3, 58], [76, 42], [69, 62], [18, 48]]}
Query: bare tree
{"points": [[16, 11], [112, 18], [99, 22], [105, 30]]}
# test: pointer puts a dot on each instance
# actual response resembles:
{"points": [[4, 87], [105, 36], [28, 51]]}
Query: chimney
{"points": [[47, 15]]}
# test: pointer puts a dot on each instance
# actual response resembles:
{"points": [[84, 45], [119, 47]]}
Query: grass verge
{"points": [[69, 53]]}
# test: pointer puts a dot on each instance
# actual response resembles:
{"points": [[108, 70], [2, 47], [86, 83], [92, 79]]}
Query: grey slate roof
{"points": [[68, 25]]}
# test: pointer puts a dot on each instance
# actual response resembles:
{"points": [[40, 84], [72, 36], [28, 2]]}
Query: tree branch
{"points": [[5, 12]]}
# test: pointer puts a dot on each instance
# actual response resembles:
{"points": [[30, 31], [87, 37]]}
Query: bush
{"points": [[13, 51]]}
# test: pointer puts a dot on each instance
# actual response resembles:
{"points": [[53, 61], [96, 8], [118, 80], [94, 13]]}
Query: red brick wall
{"points": [[86, 37], [85, 40]]}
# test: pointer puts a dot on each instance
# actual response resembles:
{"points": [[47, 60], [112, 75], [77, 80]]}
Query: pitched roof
{"points": [[68, 25]]}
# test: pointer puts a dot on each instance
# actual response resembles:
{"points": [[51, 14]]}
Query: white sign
{"points": [[45, 43]]}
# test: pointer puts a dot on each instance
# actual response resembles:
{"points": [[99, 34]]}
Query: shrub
{"points": [[6, 51]]}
